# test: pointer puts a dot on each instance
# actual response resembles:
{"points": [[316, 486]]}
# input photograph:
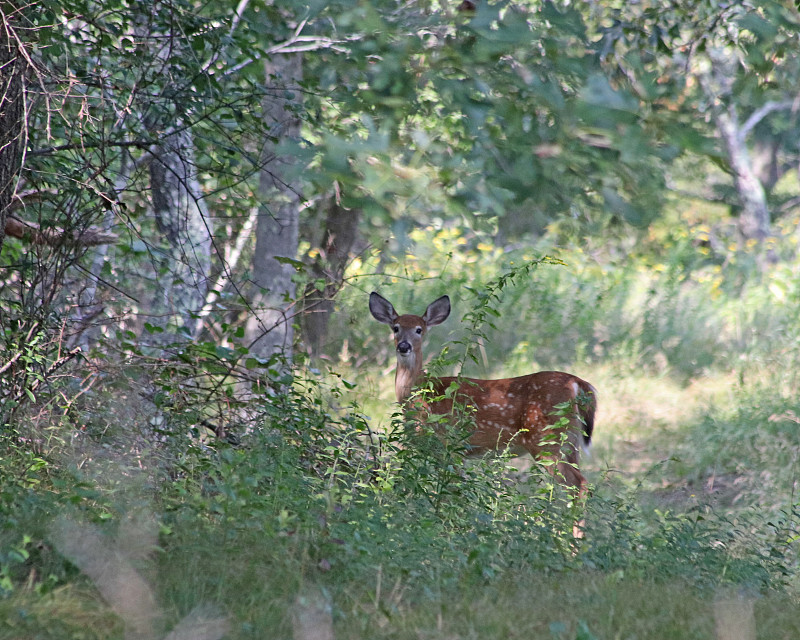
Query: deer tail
{"points": [[586, 402]]}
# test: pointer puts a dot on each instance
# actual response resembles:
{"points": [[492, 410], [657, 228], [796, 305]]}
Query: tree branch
{"points": [[32, 232], [295, 44], [763, 111], [140, 144]]}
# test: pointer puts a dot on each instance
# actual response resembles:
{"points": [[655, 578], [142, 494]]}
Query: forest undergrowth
{"points": [[123, 515]]}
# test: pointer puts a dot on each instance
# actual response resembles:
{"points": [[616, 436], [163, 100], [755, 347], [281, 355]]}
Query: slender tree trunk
{"points": [[766, 162], [183, 267], [182, 216], [754, 219], [12, 115], [327, 272], [269, 328], [88, 307]]}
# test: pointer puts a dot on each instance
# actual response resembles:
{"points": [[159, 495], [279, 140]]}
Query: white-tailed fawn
{"points": [[548, 414]]}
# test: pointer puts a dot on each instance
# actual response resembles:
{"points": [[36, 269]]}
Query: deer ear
{"points": [[437, 311], [381, 309]]}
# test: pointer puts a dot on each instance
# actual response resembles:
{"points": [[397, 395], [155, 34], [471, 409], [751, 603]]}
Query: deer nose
{"points": [[404, 347]]}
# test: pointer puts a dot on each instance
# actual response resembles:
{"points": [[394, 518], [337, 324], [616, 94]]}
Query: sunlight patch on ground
{"points": [[636, 411]]}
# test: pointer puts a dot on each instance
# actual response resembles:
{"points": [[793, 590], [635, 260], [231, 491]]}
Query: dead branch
{"points": [[32, 232]]}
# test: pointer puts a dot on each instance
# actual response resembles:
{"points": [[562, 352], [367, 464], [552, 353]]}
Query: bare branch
{"points": [[763, 111], [140, 144], [230, 265], [237, 17], [295, 44], [32, 232]]}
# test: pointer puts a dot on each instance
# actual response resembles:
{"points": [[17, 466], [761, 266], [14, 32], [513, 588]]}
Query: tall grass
{"points": [[325, 510]]}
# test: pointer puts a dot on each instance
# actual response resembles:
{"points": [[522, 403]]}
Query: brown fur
{"points": [[514, 413]]}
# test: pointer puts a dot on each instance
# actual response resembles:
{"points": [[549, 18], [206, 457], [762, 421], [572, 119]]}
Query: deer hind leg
{"points": [[573, 476], [562, 459], [570, 459], [563, 467]]}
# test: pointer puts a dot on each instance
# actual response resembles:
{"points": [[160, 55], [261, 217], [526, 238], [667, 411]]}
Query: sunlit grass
{"points": [[71, 611]]}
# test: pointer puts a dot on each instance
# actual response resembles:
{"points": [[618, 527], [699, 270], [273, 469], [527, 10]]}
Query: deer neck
{"points": [[409, 369]]}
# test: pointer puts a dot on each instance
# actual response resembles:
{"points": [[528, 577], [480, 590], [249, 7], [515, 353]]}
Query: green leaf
{"points": [[599, 92], [224, 353], [623, 208], [758, 26], [298, 266], [584, 633]]}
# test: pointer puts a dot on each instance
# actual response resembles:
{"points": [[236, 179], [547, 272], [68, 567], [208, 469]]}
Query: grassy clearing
{"points": [[308, 524], [657, 562]]}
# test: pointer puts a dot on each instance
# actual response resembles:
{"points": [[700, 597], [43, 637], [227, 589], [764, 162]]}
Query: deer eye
{"points": [[419, 330], [395, 328]]}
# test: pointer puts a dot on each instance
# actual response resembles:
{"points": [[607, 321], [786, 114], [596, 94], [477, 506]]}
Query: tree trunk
{"points": [[269, 328], [88, 306], [327, 273], [12, 116], [754, 219], [182, 216], [766, 164]]}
